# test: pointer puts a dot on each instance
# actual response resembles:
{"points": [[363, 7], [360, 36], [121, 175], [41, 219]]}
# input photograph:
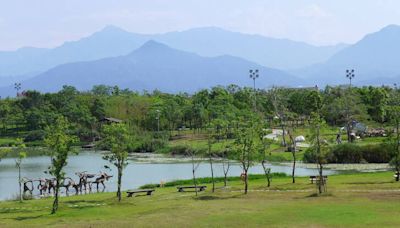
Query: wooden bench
{"points": [[200, 188], [147, 191], [316, 178]]}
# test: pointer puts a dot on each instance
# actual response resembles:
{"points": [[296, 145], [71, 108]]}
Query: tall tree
{"points": [[318, 146], [18, 162], [246, 144], [116, 137], [60, 144]]}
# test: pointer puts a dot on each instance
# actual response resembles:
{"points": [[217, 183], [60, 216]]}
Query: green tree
{"points": [[246, 146], [116, 137], [5, 112], [318, 146], [210, 142], [21, 156], [60, 142]]}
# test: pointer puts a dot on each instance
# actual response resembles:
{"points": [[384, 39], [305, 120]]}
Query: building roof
{"points": [[111, 119]]}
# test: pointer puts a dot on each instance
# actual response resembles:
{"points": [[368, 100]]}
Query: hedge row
{"points": [[353, 153]]}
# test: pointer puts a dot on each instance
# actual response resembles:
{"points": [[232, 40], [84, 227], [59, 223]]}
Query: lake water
{"points": [[142, 169]]}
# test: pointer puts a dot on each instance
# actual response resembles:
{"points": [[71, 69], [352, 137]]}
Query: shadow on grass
{"points": [[369, 182], [22, 218], [81, 201], [210, 197], [315, 195]]}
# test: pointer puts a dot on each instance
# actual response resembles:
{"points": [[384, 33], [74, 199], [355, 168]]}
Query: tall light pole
{"points": [[350, 75], [253, 74], [17, 86], [158, 120]]}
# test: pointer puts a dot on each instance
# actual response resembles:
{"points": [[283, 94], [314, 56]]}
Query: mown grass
{"points": [[371, 206]]}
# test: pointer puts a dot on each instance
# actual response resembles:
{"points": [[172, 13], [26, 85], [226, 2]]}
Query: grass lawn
{"points": [[6, 141], [354, 200]]}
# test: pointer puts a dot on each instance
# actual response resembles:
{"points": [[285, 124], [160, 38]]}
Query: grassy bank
{"points": [[354, 200]]}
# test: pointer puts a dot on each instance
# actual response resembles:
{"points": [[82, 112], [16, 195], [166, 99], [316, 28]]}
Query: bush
{"points": [[381, 153], [353, 153], [148, 142], [345, 153], [309, 156]]}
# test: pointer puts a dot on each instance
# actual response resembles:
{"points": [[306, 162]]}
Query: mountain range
{"points": [[155, 66], [375, 59], [209, 41], [199, 58]]}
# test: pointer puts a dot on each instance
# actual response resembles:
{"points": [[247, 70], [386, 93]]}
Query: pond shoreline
{"points": [[344, 167]]}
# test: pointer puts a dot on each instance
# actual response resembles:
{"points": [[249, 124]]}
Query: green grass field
{"points": [[353, 200]]}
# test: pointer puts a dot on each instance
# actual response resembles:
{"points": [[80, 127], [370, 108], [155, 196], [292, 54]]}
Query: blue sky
{"points": [[48, 23]]}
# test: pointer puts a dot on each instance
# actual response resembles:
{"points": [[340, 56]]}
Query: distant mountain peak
{"points": [[391, 27], [112, 29], [153, 45]]}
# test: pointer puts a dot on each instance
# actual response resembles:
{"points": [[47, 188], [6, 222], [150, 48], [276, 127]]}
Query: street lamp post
{"points": [[350, 75], [253, 74], [17, 86]]}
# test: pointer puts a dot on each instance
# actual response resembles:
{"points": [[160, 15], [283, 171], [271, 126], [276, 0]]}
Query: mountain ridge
{"points": [[155, 66]]}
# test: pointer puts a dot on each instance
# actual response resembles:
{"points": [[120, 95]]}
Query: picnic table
{"points": [[147, 191], [316, 178], [199, 187]]}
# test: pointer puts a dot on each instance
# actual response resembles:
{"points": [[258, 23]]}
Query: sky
{"points": [[49, 23]]}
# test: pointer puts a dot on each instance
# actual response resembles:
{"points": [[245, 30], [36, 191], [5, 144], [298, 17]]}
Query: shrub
{"points": [[380, 153], [345, 153], [353, 153]]}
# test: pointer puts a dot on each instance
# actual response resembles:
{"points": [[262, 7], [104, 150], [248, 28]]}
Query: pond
{"points": [[142, 169]]}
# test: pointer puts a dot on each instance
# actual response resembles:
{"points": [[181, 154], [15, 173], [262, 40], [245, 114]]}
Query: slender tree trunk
{"points": [[119, 182], [19, 182], [321, 185], [56, 193], [212, 174], [283, 135], [294, 159], [246, 181], [267, 172], [294, 167], [226, 170], [194, 175]]}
